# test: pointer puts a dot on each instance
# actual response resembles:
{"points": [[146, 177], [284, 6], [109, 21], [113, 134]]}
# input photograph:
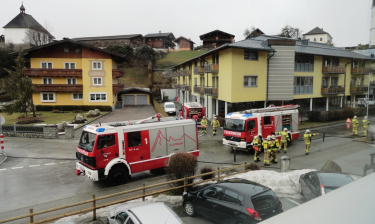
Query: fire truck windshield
{"points": [[234, 125], [87, 141]]}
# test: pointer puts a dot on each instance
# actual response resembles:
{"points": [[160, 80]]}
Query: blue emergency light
{"points": [[100, 129], [247, 115]]}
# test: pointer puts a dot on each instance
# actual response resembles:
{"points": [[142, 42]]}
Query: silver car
{"points": [[143, 212]]}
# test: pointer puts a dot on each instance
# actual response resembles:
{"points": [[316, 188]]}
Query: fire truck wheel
{"points": [[118, 175]]}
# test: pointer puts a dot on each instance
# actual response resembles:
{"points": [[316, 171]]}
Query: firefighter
{"points": [[195, 118], [366, 123], [257, 147], [284, 139], [307, 138], [266, 152], [355, 125], [215, 124], [274, 148], [204, 125]]}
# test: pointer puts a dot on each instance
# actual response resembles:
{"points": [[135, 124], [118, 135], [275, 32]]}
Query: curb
{"points": [[3, 158]]}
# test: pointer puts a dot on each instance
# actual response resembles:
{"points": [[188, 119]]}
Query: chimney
{"points": [[159, 31]]}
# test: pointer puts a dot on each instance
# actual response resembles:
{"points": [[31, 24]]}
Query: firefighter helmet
{"points": [[273, 137], [307, 131], [269, 137], [355, 117], [285, 129]]}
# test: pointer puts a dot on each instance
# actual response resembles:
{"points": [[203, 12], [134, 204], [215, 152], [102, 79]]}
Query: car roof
{"points": [[335, 179], [243, 186], [155, 213]]}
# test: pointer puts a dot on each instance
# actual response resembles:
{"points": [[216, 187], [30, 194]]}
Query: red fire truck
{"points": [[241, 127], [115, 151], [192, 108]]}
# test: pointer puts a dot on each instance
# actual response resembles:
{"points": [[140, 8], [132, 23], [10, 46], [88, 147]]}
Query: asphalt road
{"points": [[40, 173]]}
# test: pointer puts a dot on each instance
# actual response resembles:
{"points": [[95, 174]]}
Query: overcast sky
{"points": [[347, 21]]}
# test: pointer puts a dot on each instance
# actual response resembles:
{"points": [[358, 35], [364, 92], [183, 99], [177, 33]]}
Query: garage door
{"points": [[142, 100], [128, 100]]}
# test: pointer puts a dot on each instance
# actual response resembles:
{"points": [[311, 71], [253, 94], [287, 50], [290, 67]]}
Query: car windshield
{"points": [[87, 141], [264, 199], [169, 106], [335, 180], [234, 125]]}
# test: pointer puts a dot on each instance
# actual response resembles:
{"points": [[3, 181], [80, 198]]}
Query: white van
{"points": [[170, 108], [362, 102]]}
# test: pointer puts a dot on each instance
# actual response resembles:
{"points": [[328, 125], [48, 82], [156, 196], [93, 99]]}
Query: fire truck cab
{"points": [[117, 150], [192, 108], [240, 128]]}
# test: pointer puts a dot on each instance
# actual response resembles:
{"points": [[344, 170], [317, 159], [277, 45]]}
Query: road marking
{"points": [[48, 164], [34, 165], [293, 201], [3, 169], [64, 162], [17, 167]]}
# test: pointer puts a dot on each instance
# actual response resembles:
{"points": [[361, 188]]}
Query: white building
{"points": [[25, 30], [372, 28], [318, 35]]}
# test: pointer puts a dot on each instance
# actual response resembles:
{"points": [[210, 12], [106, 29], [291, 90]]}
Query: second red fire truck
{"points": [[240, 128]]}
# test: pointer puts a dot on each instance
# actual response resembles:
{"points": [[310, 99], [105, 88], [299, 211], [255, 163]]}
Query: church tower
{"points": [[372, 29]]}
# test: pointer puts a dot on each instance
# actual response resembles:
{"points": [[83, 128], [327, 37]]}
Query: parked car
{"points": [[170, 108], [233, 201], [315, 183], [362, 102], [143, 212]]}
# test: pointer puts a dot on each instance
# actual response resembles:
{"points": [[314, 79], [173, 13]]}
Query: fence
{"points": [[94, 206], [26, 131]]}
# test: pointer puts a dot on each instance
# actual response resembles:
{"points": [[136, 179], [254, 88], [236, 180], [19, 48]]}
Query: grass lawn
{"points": [[174, 58], [46, 117]]}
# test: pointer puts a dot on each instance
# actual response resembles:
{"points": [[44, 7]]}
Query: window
{"points": [[48, 97], [77, 50], [303, 85], [251, 55], [250, 81], [106, 141], [47, 81], [195, 81], [77, 96], [267, 120], [46, 65], [70, 65], [97, 65], [334, 81], [134, 139], [213, 192], [231, 196], [71, 81], [98, 97], [321, 39], [66, 50], [202, 81], [325, 81], [304, 63], [331, 61], [97, 81]]}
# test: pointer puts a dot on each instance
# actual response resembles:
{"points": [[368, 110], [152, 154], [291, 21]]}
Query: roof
{"points": [[316, 30], [23, 20], [366, 52], [67, 40], [159, 35], [181, 37], [129, 36], [217, 31]]}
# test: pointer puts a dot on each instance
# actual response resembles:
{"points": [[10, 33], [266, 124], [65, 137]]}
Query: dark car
{"points": [[315, 183], [233, 201]]}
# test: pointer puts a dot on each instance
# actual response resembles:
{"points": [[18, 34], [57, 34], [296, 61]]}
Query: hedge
{"points": [[341, 114]]}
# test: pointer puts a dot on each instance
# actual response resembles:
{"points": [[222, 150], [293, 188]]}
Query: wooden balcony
{"points": [[41, 72], [199, 89], [360, 71], [117, 73], [211, 91], [358, 89], [117, 87], [333, 69], [211, 68], [58, 88], [198, 70], [186, 72], [332, 90]]}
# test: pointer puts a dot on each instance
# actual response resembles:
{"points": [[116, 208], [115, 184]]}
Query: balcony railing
{"points": [[199, 89], [117, 73], [175, 86], [185, 87], [198, 70], [211, 91], [42, 72], [58, 88], [117, 87], [211, 68], [333, 69], [186, 72], [372, 84], [333, 90], [361, 71], [358, 89]]}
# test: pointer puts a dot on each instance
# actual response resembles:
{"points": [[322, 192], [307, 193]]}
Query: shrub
{"points": [[252, 166], [207, 169], [181, 165]]}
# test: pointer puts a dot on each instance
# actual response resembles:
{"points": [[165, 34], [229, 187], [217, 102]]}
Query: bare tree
{"points": [[36, 38], [248, 31], [290, 32]]}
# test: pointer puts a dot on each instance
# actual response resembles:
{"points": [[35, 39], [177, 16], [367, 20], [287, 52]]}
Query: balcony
{"points": [[176, 74], [211, 68], [117, 73], [185, 87], [198, 70], [199, 89], [333, 69], [186, 72], [372, 84], [360, 71], [58, 88], [42, 72], [117, 87], [211, 91], [175, 86], [359, 89], [332, 90]]}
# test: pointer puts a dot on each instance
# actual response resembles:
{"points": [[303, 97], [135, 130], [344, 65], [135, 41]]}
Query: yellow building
{"points": [[273, 70], [69, 73]]}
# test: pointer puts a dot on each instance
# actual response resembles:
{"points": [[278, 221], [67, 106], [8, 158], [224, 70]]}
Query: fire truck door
{"points": [[106, 149], [268, 125], [251, 130], [137, 146]]}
